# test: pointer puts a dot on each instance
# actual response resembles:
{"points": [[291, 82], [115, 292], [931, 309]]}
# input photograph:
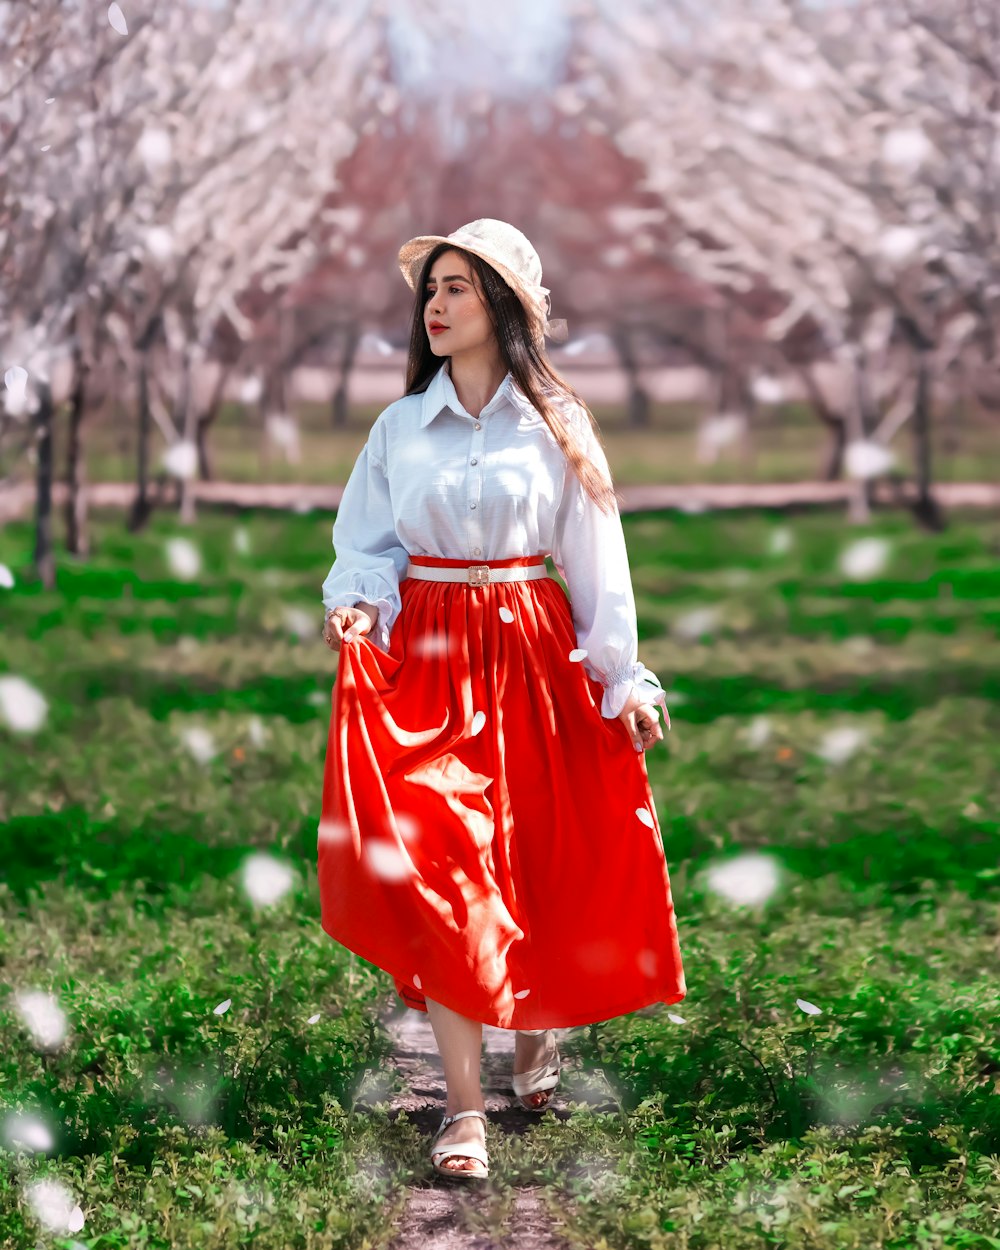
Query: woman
{"points": [[488, 835]]}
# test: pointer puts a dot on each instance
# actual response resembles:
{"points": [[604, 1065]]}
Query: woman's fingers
{"points": [[630, 721], [348, 624]]}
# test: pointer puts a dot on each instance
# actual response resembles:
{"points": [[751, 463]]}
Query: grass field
{"points": [[829, 799]]}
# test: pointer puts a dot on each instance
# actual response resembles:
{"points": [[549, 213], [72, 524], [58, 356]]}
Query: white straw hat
{"points": [[509, 252]]}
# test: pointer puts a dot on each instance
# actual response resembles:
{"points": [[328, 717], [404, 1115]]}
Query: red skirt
{"points": [[488, 838]]}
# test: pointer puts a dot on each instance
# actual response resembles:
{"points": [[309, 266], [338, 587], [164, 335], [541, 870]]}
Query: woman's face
{"points": [[452, 300]]}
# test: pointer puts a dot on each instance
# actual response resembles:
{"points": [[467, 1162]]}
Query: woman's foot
{"points": [[531, 1051], [469, 1128]]}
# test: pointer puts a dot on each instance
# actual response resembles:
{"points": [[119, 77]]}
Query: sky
{"points": [[509, 47]]}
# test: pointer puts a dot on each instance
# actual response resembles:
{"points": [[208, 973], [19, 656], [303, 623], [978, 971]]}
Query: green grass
{"points": [[746, 1123]]}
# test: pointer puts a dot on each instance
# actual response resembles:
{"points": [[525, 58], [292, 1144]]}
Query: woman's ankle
{"points": [[472, 1103]]}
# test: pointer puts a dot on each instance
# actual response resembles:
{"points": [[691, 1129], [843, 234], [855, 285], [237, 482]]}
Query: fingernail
{"points": [[638, 746]]}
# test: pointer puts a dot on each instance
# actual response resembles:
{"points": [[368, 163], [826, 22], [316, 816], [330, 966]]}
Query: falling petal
{"points": [[759, 731], [645, 816], [180, 460], [266, 879], [52, 1203], [44, 1017], [27, 1132], [646, 960], [335, 831], [387, 861], [809, 1008], [865, 458], [767, 389], [506, 615], [251, 390], [313, 1019], [838, 745], [577, 654], [183, 557], [695, 624], [417, 982], [22, 707], [745, 879], [75, 1222], [199, 742], [117, 19], [522, 993], [301, 623], [675, 1018], [781, 541], [16, 379], [408, 826], [721, 430], [223, 1007], [46, 147], [241, 541], [430, 645], [478, 721], [155, 147], [864, 559]]}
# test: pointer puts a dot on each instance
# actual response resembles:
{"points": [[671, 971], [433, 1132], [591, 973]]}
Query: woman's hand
{"points": [[346, 624], [642, 721]]}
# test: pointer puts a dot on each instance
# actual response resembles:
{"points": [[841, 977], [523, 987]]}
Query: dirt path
{"points": [[446, 1214], [18, 501]]}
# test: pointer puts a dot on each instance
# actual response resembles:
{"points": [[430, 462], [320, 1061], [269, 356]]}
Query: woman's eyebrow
{"points": [[452, 277]]}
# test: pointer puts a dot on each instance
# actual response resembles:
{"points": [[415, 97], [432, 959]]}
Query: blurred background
{"points": [[772, 228]]}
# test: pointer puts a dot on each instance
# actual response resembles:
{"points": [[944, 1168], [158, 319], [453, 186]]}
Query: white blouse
{"points": [[434, 480]]}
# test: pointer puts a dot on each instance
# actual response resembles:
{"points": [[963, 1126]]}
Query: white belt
{"points": [[477, 574]]}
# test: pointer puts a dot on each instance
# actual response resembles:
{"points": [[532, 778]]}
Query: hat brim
{"points": [[414, 252]]}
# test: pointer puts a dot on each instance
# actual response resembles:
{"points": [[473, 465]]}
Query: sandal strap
{"points": [[461, 1115]]}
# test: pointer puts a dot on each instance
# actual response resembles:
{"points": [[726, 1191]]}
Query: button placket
{"points": [[475, 488]]}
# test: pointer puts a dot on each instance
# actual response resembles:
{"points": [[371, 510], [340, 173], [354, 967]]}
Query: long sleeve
{"points": [[370, 560], [589, 552]]}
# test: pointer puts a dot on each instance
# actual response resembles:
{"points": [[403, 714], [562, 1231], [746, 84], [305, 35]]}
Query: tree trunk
{"points": [[832, 462], [340, 402], [926, 507], [45, 565], [637, 409], [184, 420], [142, 505], [77, 537], [861, 421], [205, 421]]}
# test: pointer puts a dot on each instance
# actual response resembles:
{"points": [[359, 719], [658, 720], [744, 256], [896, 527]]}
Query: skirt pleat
{"points": [[480, 838]]}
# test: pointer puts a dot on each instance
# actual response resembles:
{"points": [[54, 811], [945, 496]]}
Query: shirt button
{"points": [[478, 426], [476, 551], [472, 505], [474, 460]]}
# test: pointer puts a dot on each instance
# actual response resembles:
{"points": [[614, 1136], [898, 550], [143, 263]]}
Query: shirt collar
{"points": [[441, 394]]}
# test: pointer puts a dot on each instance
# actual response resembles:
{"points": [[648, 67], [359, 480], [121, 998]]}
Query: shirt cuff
{"points": [[620, 685]]}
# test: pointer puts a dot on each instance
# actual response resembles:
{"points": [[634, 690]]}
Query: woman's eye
{"points": [[430, 290]]}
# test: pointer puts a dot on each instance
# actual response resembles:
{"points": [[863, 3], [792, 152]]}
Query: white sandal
{"points": [[538, 1080], [467, 1149]]}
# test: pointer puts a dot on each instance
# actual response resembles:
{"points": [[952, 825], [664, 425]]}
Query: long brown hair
{"points": [[529, 366]]}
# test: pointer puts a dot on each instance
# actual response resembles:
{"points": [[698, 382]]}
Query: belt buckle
{"points": [[479, 574]]}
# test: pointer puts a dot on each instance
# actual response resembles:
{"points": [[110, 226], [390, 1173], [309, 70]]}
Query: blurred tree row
{"points": [[197, 198]]}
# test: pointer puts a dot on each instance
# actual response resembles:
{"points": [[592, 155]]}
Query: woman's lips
{"points": [[439, 329]]}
